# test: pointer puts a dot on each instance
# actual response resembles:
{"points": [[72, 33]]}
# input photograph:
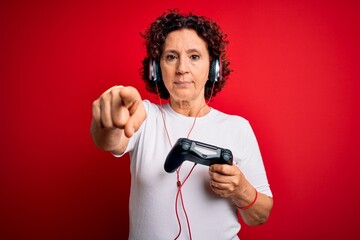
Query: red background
{"points": [[295, 78]]}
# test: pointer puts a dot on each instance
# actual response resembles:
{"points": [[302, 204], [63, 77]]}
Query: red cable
{"points": [[182, 204], [163, 115], [178, 170]]}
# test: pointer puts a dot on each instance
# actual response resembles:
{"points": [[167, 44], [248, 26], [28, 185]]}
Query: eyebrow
{"points": [[187, 51]]}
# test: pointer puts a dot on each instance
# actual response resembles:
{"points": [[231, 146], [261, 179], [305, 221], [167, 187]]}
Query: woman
{"points": [[184, 55]]}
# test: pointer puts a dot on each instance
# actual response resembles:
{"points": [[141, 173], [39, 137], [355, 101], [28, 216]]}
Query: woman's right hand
{"points": [[116, 115]]}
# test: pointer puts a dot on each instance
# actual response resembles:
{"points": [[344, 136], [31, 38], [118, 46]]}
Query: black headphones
{"points": [[214, 73]]}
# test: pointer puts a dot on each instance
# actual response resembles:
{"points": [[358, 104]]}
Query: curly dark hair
{"points": [[172, 20]]}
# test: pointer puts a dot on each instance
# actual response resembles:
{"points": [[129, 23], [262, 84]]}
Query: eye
{"points": [[170, 57], [195, 57]]}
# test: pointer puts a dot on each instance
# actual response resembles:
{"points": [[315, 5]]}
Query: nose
{"points": [[182, 66]]}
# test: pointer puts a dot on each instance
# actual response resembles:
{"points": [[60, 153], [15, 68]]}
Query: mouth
{"points": [[182, 83]]}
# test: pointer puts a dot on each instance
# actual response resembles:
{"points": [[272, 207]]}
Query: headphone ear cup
{"points": [[154, 71], [215, 71]]}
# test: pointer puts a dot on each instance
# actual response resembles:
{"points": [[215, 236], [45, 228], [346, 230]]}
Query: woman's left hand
{"points": [[226, 180]]}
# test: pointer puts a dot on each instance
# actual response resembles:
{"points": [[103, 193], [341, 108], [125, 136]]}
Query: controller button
{"points": [[226, 157], [185, 146]]}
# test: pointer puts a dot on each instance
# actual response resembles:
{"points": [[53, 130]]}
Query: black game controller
{"points": [[197, 152]]}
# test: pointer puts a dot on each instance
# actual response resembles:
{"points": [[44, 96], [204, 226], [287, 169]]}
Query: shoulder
{"points": [[230, 118], [149, 106]]}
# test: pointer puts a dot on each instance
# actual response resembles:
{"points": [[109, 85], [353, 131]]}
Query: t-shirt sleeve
{"points": [[252, 164]]}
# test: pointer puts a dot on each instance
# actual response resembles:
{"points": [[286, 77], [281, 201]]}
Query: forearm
{"points": [[254, 207]]}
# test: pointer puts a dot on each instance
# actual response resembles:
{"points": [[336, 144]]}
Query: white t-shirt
{"points": [[153, 190]]}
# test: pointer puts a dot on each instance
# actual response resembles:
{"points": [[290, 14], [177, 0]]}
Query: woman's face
{"points": [[185, 64]]}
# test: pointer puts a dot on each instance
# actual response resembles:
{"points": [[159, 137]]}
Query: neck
{"points": [[196, 109]]}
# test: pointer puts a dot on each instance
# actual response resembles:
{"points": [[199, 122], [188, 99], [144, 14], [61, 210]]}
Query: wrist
{"points": [[247, 200], [107, 139]]}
